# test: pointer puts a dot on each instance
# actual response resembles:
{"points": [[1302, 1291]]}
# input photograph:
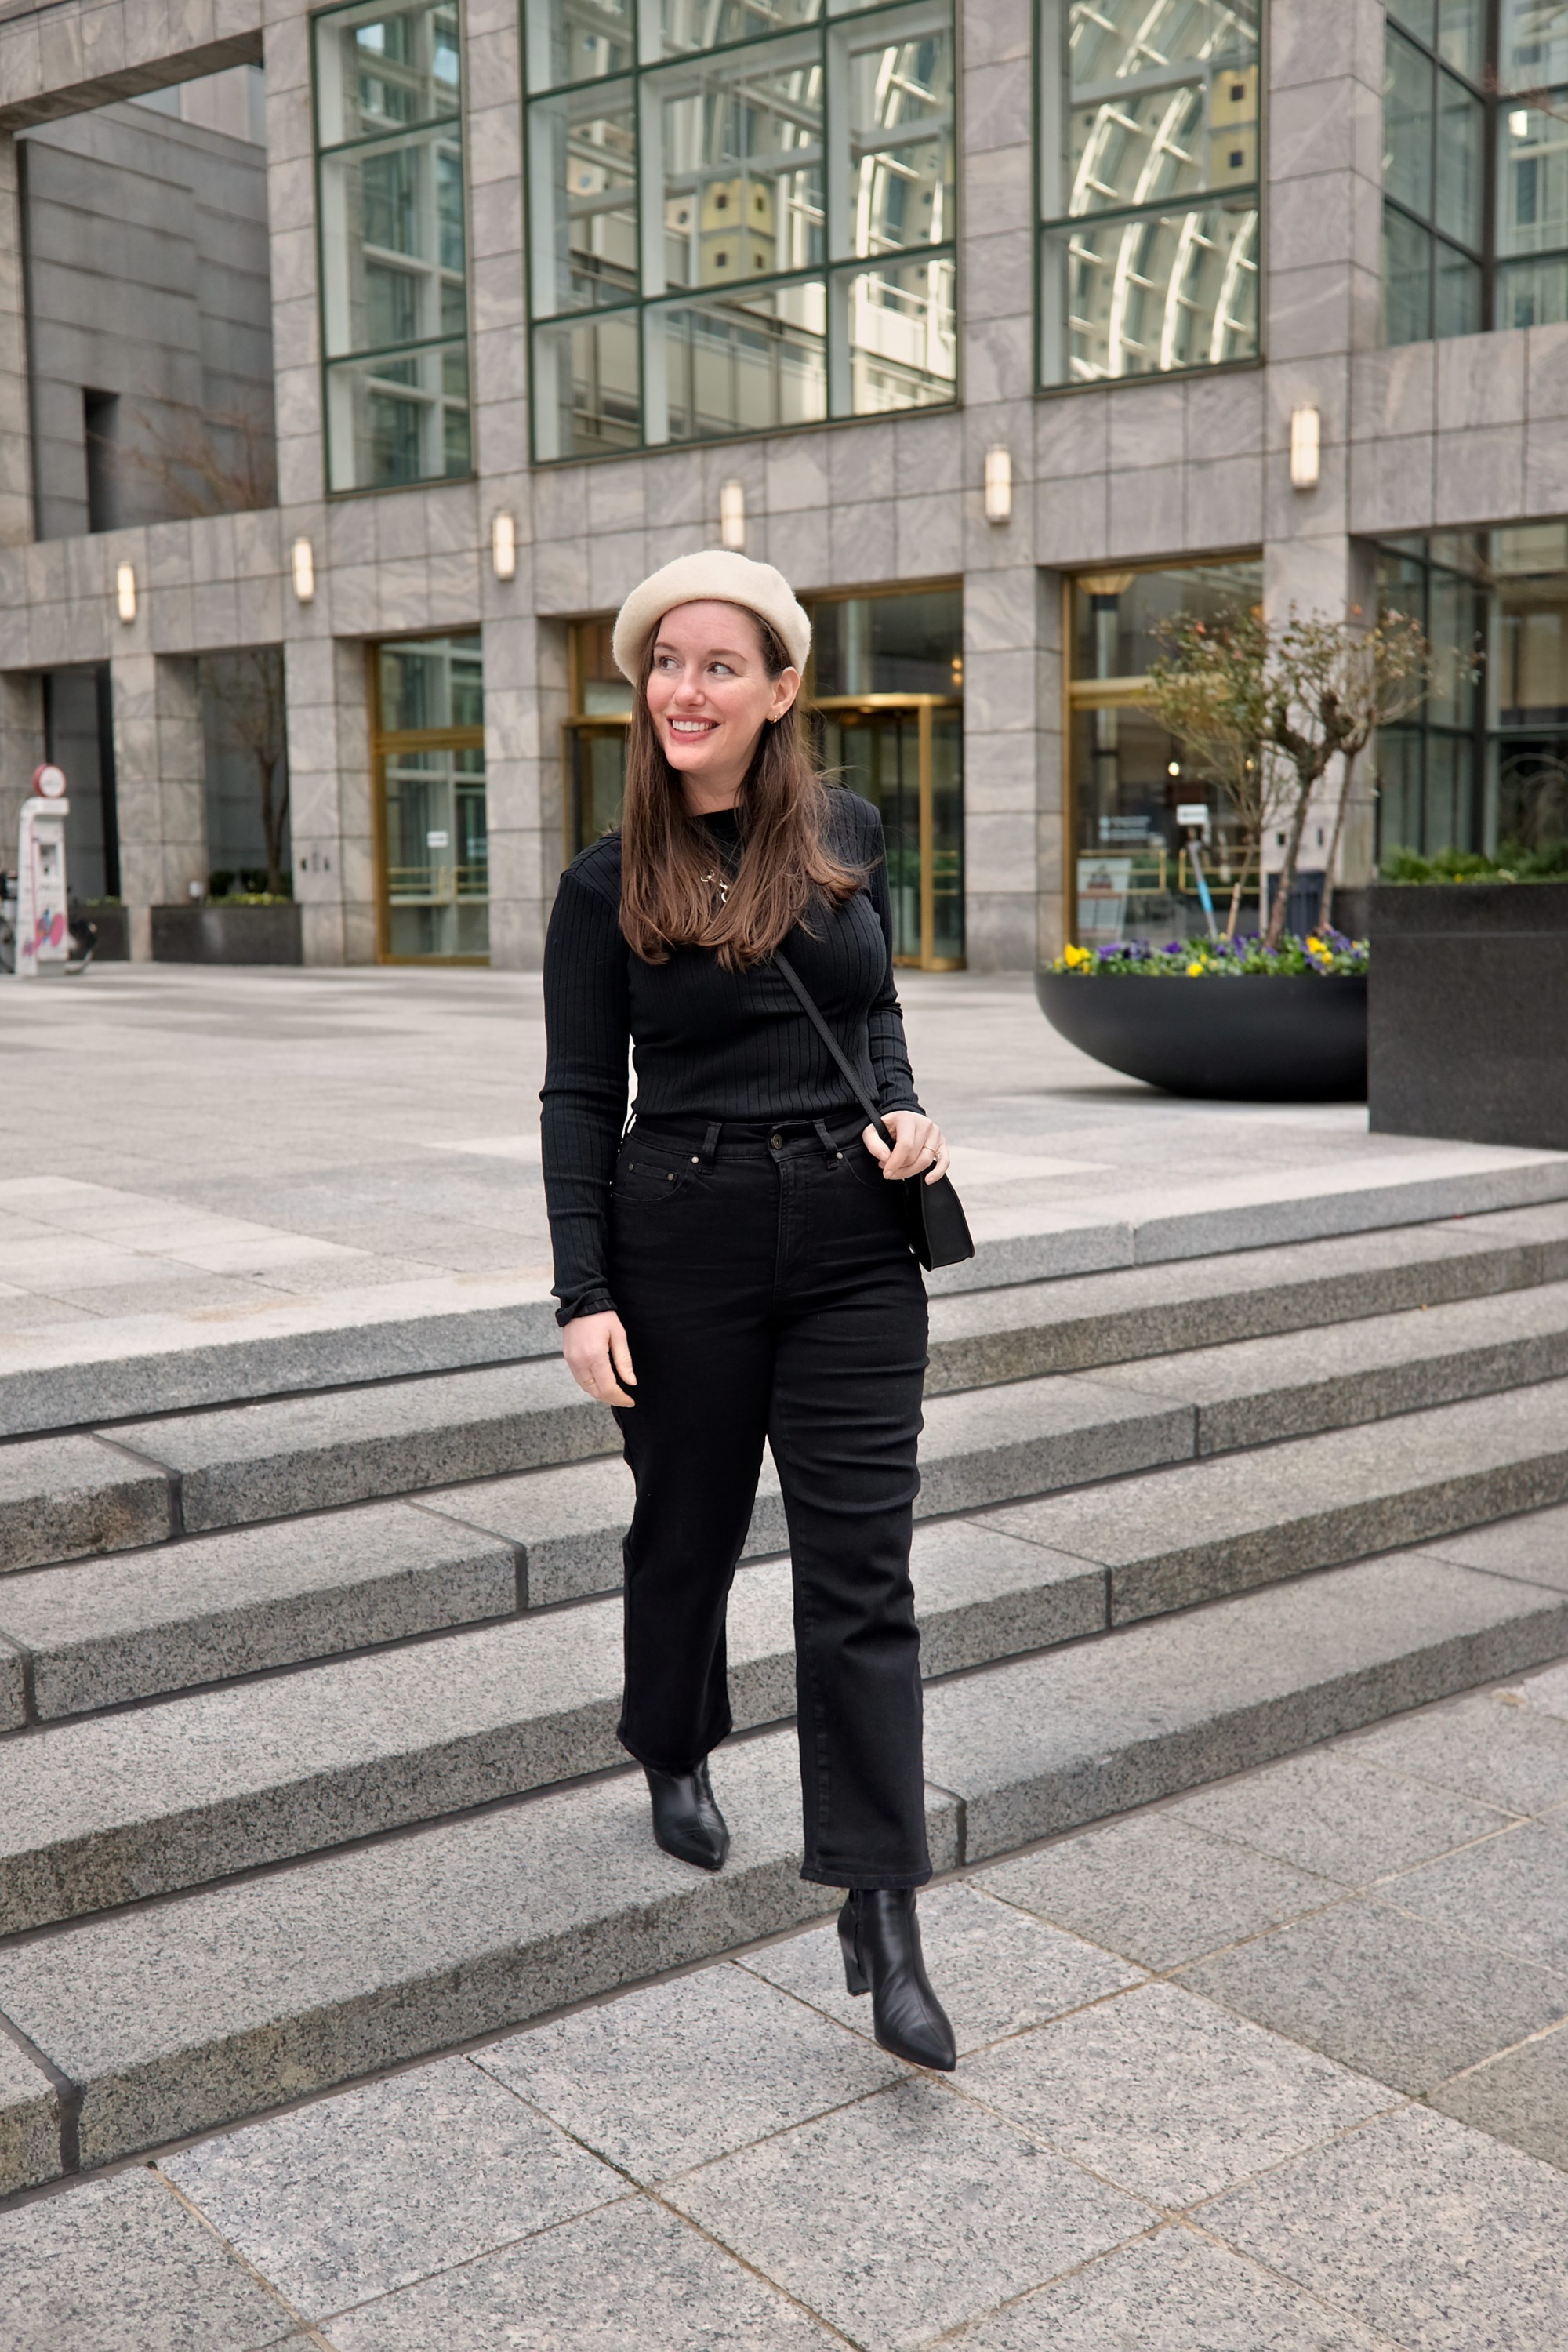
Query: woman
{"points": [[736, 1268]]}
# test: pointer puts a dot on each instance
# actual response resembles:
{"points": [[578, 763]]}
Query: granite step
{"points": [[309, 1454], [100, 1633], [142, 1802], [97, 1634], [64, 1496], [1077, 1322], [109, 1810], [1030, 1436], [176, 2017]]}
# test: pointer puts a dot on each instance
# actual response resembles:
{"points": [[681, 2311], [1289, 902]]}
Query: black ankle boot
{"points": [[686, 1821], [882, 1941]]}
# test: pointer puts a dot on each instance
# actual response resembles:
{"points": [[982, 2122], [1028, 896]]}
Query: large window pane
{"points": [[1462, 36], [739, 141], [902, 335], [756, 363], [1157, 108], [1112, 41], [1407, 150], [578, 40], [899, 189], [672, 151], [393, 245], [1534, 44], [587, 386], [399, 418], [583, 200], [687, 25], [1456, 294], [1407, 279], [1164, 290], [1461, 142], [381, 68]]}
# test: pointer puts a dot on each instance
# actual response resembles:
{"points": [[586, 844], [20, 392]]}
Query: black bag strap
{"points": [[808, 1007]]}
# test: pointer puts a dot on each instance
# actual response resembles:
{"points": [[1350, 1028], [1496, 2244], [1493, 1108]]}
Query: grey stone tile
{"points": [[1222, 1524], [1167, 2094], [353, 1961], [1512, 1892], [1154, 1889], [628, 2276], [1400, 1999], [1052, 1742], [995, 1971], [1521, 2097], [1331, 1813], [672, 2075], [361, 2194], [1491, 1747], [1416, 2226], [29, 2121], [568, 1522], [106, 1630], [121, 2266], [1171, 2292], [906, 2214], [62, 1496], [263, 1461], [1533, 1545]]}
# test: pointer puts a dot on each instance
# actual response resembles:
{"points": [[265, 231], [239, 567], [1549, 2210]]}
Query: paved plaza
{"points": [[195, 1150], [1278, 2066]]}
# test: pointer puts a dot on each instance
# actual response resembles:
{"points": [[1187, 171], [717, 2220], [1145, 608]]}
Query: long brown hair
{"points": [[668, 897]]}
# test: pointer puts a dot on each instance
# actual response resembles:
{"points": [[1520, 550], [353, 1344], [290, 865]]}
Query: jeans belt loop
{"points": [[710, 1143], [829, 1148]]}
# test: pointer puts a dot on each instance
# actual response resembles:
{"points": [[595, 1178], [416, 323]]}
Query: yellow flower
{"points": [[1195, 968], [1076, 957]]}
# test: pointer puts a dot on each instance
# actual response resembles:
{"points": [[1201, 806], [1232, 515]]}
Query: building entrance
{"points": [[433, 850], [885, 682]]}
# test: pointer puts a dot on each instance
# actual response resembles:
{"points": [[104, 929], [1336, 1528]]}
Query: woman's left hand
{"points": [[918, 1147]]}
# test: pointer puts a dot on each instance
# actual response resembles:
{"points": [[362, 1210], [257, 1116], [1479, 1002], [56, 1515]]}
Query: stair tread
{"points": [[75, 1494], [198, 1785], [1290, 1384], [218, 2003], [294, 1454], [1189, 1532], [104, 1811], [101, 1631]]}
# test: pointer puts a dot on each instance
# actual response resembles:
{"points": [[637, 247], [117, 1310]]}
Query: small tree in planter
{"points": [[1209, 693], [1329, 685]]}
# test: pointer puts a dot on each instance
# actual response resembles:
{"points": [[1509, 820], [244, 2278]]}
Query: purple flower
{"points": [[1174, 947]]}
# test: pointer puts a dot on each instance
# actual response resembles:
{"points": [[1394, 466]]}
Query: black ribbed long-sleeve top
{"points": [[706, 1043]]}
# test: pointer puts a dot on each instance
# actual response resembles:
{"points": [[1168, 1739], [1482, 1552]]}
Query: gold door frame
{"points": [[386, 742], [925, 706]]}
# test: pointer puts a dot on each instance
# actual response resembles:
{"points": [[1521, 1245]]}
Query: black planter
{"points": [[1295, 1038], [221, 934], [114, 927], [1469, 1029]]}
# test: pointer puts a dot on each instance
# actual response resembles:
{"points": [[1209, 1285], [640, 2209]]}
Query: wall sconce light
{"points": [[1306, 429], [998, 486], [732, 516], [503, 547], [305, 565], [125, 592]]}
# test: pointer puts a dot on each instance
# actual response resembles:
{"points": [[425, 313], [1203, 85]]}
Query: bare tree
{"points": [[224, 462], [247, 687], [1329, 685]]}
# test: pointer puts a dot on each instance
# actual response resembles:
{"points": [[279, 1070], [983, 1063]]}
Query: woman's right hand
{"points": [[599, 1357]]}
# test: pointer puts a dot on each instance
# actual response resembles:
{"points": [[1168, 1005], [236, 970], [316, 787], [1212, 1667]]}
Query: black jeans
{"points": [[767, 1290]]}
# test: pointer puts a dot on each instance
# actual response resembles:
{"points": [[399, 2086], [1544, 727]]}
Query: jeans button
{"points": [[776, 1142]]}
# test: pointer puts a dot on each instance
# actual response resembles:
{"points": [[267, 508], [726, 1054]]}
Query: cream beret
{"points": [[716, 574]]}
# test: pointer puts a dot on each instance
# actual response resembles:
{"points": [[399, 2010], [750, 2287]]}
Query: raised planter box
{"points": [[1294, 1038], [1467, 1035], [114, 927], [221, 934]]}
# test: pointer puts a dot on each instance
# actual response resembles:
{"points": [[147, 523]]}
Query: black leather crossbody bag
{"points": [[933, 1213]]}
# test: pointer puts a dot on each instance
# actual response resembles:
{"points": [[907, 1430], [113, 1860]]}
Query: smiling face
{"points": [[709, 696]]}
